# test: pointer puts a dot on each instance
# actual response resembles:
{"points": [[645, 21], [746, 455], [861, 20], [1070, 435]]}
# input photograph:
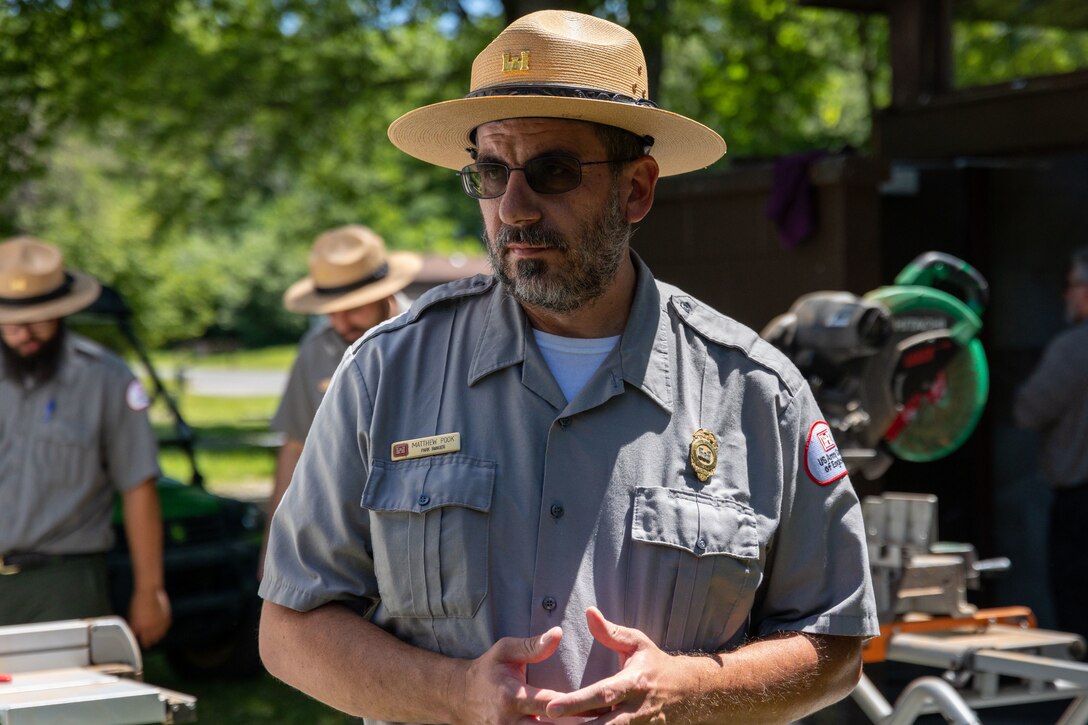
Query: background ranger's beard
{"points": [[42, 365], [590, 267]]}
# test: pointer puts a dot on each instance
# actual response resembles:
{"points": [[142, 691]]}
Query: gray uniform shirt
{"points": [[67, 447], [319, 353], [1054, 400], [552, 506]]}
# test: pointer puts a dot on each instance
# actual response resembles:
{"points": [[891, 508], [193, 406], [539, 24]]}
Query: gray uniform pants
{"points": [[69, 589]]}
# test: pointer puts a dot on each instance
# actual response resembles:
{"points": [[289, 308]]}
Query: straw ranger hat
{"points": [[558, 64], [349, 268], [35, 286]]}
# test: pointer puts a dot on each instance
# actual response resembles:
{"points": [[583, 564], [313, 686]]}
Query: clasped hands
{"points": [[495, 689]]}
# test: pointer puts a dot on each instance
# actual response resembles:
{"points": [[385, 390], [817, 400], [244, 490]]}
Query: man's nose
{"points": [[519, 205]]}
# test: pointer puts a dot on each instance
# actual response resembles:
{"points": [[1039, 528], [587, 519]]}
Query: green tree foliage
{"points": [[992, 52], [188, 151], [774, 77]]}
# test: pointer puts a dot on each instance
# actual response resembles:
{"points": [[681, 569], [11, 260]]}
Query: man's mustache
{"points": [[536, 235]]}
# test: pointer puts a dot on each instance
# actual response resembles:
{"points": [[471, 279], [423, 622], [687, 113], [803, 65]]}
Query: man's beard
{"points": [[590, 266], [39, 367]]}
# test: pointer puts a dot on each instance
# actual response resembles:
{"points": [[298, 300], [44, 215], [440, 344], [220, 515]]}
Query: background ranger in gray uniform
{"points": [[1054, 401], [354, 281], [73, 433], [570, 490]]}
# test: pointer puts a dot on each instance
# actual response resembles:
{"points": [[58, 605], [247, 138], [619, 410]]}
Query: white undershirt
{"points": [[573, 360]]}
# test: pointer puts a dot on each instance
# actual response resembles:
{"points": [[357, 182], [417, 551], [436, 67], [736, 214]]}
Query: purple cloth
{"points": [[792, 205]]}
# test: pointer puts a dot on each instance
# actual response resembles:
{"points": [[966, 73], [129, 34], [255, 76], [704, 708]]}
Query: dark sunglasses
{"points": [[545, 175]]}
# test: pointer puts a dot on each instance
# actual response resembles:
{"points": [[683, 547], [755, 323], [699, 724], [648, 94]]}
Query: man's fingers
{"points": [[589, 701], [528, 650], [534, 701], [613, 636]]}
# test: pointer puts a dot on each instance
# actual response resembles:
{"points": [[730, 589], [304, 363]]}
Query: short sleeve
{"points": [[817, 575], [295, 412], [129, 445], [318, 545]]}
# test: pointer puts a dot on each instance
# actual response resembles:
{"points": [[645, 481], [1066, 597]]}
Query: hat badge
{"points": [[703, 453], [18, 284], [515, 62]]}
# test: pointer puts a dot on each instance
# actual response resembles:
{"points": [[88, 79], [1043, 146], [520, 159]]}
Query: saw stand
{"points": [[82, 671], [988, 658]]}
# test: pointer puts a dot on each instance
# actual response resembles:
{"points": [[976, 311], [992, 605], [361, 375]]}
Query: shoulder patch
{"points": [[136, 397], [823, 461]]}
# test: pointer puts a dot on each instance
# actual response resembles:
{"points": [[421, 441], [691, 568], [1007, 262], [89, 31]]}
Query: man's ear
{"points": [[640, 188]]}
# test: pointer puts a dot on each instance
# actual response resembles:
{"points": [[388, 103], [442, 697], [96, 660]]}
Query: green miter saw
{"points": [[898, 372]]}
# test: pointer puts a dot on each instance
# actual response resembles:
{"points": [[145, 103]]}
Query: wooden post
{"points": [[921, 50]]}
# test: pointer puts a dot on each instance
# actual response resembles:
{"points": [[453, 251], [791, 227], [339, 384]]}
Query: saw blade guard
{"points": [[939, 375]]}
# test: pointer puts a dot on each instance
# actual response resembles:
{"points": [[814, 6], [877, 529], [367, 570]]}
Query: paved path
{"points": [[229, 383]]}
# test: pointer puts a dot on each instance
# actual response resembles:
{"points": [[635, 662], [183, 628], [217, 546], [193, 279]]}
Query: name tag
{"points": [[423, 447]]}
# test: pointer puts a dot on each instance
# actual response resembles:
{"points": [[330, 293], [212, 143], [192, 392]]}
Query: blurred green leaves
{"points": [[188, 151]]}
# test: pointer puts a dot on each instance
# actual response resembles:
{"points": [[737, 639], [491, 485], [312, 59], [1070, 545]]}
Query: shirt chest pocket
{"points": [[693, 570], [64, 452], [429, 531]]}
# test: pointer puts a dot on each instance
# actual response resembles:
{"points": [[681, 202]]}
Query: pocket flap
{"points": [[695, 522], [418, 486]]}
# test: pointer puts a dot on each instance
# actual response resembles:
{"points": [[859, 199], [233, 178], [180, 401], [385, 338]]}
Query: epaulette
{"points": [[436, 296], [87, 347], [726, 332]]}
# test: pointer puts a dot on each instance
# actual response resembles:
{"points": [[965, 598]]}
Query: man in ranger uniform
{"points": [[569, 490], [355, 283], [73, 433]]}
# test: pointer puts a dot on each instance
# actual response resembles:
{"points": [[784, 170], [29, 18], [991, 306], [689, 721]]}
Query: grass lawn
{"points": [[278, 357], [233, 444]]}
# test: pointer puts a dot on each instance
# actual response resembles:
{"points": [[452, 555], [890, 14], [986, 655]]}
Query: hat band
{"points": [[589, 94], [37, 300], [379, 274]]}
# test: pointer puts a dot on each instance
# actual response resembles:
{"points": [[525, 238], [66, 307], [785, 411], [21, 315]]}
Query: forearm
{"points": [[143, 531], [776, 680], [349, 663]]}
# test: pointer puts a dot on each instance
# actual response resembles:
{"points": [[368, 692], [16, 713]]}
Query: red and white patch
{"points": [[136, 396], [823, 461]]}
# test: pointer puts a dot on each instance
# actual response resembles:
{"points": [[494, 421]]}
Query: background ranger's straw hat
{"points": [[558, 64], [349, 268], [35, 286]]}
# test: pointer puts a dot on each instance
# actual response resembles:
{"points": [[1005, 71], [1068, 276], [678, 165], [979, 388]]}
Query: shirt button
{"points": [[557, 511], [685, 305], [564, 422], [548, 603], [424, 500], [700, 544]]}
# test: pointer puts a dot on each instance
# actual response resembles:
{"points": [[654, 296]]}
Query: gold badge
{"points": [[512, 63], [18, 285], [423, 447], [704, 453]]}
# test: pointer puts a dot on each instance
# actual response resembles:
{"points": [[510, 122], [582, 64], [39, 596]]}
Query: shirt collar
{"points": [[644, 348]]}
